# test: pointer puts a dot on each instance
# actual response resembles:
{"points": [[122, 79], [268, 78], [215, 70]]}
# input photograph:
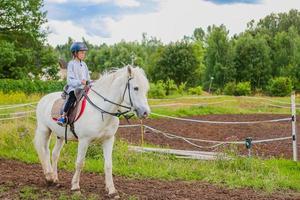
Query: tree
{"points": [[199, 34], [252, 60], [177, 62], [8, 58], [219, 57], [21, 32], [21, 21]]}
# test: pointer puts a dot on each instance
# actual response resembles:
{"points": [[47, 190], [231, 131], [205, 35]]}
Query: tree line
{"points": [[265, 50]]}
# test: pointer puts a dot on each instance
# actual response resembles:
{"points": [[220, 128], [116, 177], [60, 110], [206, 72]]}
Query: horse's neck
{"points": [[111, 90]]}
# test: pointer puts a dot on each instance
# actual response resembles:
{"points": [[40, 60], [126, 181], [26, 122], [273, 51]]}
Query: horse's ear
{"points": [[129, 69]]}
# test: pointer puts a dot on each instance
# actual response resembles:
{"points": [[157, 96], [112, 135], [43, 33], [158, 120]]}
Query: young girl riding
{"points": [[77, 76]]}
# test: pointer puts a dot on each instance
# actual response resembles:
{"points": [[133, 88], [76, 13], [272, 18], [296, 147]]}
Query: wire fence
{"points": [[223, 122], [211, 144]]}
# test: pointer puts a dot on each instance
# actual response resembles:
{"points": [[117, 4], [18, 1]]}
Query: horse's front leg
{"points": [[82, 148], [107, 152]]}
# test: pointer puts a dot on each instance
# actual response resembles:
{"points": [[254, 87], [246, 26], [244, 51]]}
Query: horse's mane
{"points": [[109, 76]]}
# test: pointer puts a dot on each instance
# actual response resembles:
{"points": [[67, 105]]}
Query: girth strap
{"points": [[72, 130]]}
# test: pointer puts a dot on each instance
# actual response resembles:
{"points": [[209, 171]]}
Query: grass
{"points": [[18, 97], [28, 192], [270, 175]]}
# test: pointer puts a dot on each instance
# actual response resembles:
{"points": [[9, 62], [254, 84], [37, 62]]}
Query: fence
{"points": [[213, 143]]}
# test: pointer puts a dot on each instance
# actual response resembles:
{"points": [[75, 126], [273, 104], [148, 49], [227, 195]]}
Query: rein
{"points": [[116, 114]]}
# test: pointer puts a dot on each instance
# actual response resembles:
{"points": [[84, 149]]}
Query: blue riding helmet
{"points": [[78, 46]]}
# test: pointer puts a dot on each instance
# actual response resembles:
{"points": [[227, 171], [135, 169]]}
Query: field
{"points": [[269, 174]]}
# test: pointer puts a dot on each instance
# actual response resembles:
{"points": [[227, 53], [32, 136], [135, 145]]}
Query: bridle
{"points": [[119, 113]]}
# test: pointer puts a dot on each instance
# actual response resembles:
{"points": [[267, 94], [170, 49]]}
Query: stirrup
{"points": [[61, 121]]}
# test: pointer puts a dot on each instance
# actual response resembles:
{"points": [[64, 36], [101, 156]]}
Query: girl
{"points": [[77, 75]]}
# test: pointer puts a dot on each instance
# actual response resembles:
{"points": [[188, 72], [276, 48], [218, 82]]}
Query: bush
{"points": [[197, 90], [243, 89], [157, 90], [30, 86], [280, 86], [240, 89], [181, 88], [230, 88], [170, 87]]}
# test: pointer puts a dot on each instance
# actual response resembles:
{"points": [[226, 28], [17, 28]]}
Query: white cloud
{"points": [[173, 20], [127, 3], [61, 30]]}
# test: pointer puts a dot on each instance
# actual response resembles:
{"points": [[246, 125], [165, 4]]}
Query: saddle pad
{"points": [[56, 108]]}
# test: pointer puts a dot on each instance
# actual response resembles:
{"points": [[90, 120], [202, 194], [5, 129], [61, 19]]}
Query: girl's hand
{"points": [[83, 82]]}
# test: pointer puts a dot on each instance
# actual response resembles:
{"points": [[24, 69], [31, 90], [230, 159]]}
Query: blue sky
{"points": [[110, 21], [83, 12]]}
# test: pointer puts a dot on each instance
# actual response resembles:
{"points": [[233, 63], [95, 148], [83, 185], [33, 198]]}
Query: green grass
{"points": [[28, 192], [18, 97], [269, 175]]}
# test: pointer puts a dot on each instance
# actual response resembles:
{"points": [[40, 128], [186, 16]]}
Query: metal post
{"points": [[294, 131], [248, 143], [142, 133], [211, 80]]}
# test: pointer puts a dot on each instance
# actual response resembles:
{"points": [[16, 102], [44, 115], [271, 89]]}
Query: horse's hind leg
{"points": [[55, 156], [41, 142]]}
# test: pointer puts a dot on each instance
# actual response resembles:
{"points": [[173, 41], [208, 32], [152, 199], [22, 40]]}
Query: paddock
{"points": [[271, 136]]}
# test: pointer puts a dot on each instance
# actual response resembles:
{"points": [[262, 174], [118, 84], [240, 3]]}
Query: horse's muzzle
{"points": [[142, 113]]}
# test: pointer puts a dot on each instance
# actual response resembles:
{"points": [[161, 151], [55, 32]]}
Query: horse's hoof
{"points": [[49, 182], [114, 196], [75, 189], [58, 185], [56, 180]]}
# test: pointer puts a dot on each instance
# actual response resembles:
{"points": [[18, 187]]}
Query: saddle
{"points": [[74, 112]]}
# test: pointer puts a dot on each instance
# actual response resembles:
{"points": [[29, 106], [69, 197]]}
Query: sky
{"points": [[110, 21]]}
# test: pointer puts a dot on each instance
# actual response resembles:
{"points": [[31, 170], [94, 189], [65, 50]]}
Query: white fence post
{"points": [[294, 131]]}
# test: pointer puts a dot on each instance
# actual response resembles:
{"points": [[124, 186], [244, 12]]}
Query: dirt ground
{"points": [[220, 132], [16, 176]]}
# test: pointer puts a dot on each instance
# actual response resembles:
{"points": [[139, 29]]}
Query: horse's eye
{"points": [[136, 88]]}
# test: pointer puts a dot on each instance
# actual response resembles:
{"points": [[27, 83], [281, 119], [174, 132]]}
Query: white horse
{"points": [[127, 85]]}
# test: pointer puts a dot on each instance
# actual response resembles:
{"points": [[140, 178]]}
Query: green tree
{"points": [[8, 58], [177, 62], [21, 21], [218, 57], [252, 60], [21, 32]]}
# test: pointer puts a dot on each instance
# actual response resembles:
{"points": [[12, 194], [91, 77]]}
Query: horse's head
{"points": [[136, 93]]}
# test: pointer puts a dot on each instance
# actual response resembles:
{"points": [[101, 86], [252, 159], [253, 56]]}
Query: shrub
{"points": [[181, 88], [230, 88], [30, 86], [157, 90], [197, 90], [170, 87], [243, 89], [280, 86]]}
